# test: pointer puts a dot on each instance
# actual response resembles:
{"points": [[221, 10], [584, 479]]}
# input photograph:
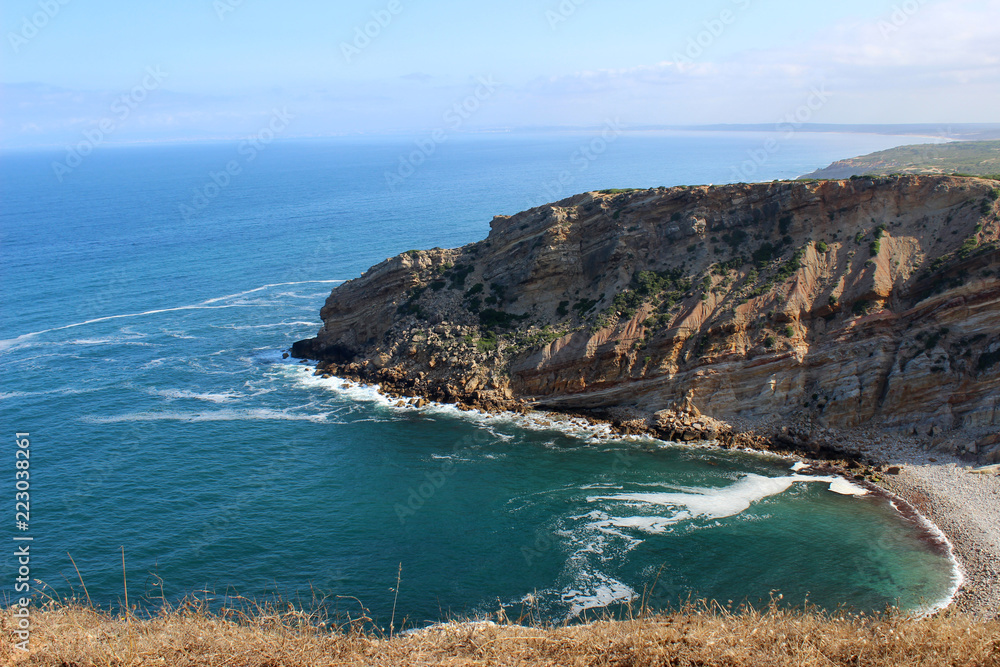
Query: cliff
{"points": [[837, 303]]}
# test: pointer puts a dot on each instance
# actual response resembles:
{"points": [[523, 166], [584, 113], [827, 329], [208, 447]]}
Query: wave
{"points": [[204, 305], [270, 285], [254, 414], [594, 590], [710, 503], [277, 325], [184, 393], [577, 427], [66, 391]]}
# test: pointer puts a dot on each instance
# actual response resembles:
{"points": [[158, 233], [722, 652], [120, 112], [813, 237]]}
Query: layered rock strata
{"points": [[825, 303]]}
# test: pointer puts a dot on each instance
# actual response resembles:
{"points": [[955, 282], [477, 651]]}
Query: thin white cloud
{"points": [[947, 52]]}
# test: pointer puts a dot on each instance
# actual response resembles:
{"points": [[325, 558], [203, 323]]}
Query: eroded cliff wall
{"points": [[843, 301]]}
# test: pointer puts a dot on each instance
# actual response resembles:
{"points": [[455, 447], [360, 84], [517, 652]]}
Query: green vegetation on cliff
{"points": [[978, 158]]}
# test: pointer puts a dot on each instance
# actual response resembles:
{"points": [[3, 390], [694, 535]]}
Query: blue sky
{"points": [[222, 66]]}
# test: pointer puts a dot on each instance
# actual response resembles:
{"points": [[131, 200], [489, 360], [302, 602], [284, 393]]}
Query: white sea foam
{"points": [[710, 503], [845, 488], [64, 391], [363, 393], [594, 590], [204, 305], [257, 414], [275, 325], [533, 421], [184, 393], [538, 421], [957, 574]]}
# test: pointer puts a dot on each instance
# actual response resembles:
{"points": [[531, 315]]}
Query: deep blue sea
{"points": [[147, 299]]}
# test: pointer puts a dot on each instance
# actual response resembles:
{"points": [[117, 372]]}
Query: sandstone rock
{"points": [[897, 347]]}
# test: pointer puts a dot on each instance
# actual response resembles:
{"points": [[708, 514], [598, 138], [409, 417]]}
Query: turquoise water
{"points": [[142, 349]]}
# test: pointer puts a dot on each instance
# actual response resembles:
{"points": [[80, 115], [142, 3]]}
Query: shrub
{"points": [[859, 237], [492, 319], [627, 303], [789, 268], [834, 300], [458, 276], [763, 254], [861, 307], [735, 238], [874, 247], [789, 331], [723, 268], [822, 247], [967, 247], [487, 343], [770, 342], [563, 309]]}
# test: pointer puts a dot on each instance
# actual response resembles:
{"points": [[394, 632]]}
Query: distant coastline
{"points": [[976, 158]]}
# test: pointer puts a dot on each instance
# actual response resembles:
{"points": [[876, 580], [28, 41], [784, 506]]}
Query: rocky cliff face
{"points": [[840, 302]]}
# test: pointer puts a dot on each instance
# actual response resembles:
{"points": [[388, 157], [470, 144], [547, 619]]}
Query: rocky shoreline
{"points": [[926, 484], [682, 422]]}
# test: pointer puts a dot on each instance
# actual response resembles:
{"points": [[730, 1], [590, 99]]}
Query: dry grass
{"points": [[73, 635]]}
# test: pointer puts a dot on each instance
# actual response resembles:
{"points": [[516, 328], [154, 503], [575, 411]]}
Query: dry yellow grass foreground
{"points": [[77, 636]]}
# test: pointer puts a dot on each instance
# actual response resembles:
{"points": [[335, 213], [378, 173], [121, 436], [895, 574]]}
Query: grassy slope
{"points": [[981, 158], [700, 635]]}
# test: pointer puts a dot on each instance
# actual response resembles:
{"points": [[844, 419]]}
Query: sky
{"points": [[218, 69]]}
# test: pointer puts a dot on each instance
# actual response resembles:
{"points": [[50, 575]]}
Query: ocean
{"points": [[148, 296]]}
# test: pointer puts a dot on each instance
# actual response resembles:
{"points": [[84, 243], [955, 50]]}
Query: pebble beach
{"points": [[963, 503]]}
